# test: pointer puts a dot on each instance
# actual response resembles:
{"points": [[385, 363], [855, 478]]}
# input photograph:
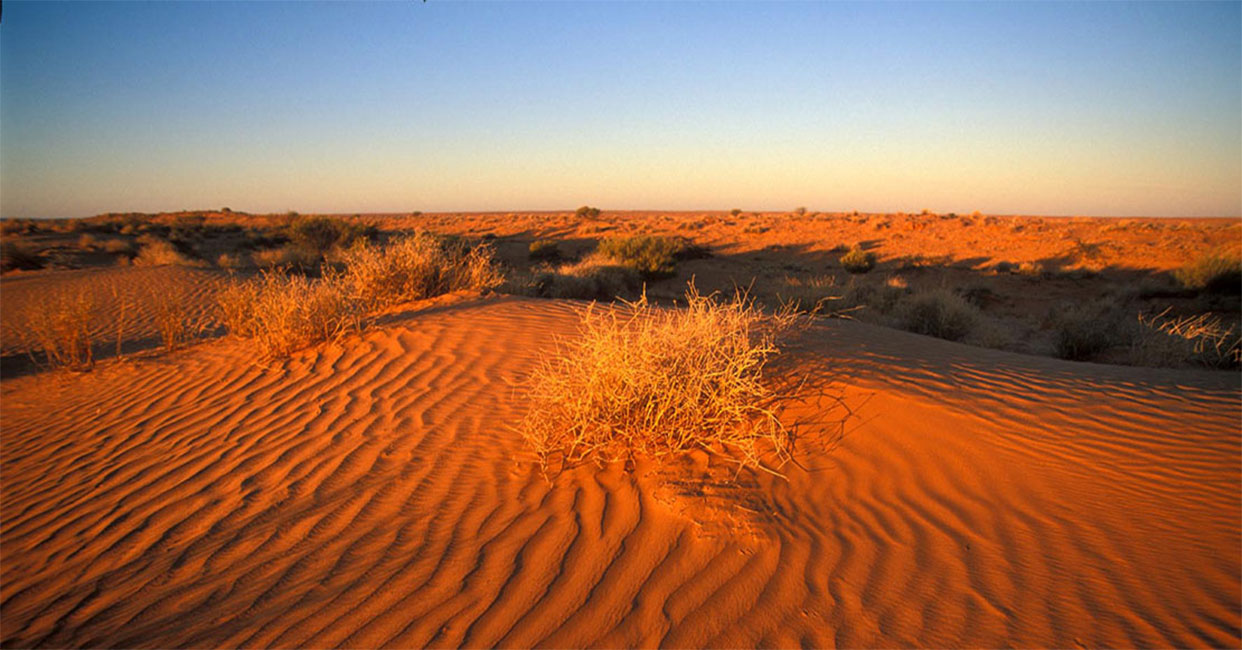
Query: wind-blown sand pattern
{"points": [[374, 494]]}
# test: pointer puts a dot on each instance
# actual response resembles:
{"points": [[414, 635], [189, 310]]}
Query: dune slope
{"points": [[373, 493]]}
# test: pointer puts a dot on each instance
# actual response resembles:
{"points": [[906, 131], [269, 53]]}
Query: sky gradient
{"points": [[1073, 109]]}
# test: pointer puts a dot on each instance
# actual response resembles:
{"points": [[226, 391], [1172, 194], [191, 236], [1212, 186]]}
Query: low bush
{"points": [[17, 255], [118, 247], [653, 257], [858, 261], [415, 267], [586, 212], [547, 250], [318, 235], [284, 313], [57, 327], [1215, 273], [1083, 332], [595, 277], [288, 257], [883, 298], [940, 313], [652, 381], [160, 252]]}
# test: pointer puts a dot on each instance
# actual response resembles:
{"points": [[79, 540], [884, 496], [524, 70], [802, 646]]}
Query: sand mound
{"points": [[367, 495], [124, 298]]}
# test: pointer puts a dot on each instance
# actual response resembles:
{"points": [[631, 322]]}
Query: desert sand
{"points": [[373, 492]]}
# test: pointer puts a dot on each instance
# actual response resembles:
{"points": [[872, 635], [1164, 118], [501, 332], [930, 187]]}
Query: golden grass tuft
{"points": [[645, 380], [284, 313], [415, 267], [58, 327]]}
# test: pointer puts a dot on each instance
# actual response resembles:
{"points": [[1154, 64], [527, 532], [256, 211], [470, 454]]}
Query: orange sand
{"points": [[373, 493]]}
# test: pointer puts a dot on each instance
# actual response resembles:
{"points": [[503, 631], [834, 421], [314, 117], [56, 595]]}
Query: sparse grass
{"points": [[653, 257], [18, 255], [810, 295], [1215, 273], [57, 327], [642, 380], [858, 261], [545, 250], [415, 267], [284, 313], [940, 313], [1168, 342]]}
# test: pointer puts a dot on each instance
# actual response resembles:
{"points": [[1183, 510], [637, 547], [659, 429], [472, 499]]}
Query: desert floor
{"points": [[375, 492]]}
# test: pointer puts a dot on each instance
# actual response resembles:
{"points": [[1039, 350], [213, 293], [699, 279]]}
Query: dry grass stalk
{"points": [[651, 381], [172, 319], [1167, 341], [58, 326]]}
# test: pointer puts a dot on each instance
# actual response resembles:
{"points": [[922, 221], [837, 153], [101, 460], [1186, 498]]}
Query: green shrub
{"points": [[940, 313], [545, 250], [858, 260], [653, 257], [1215, 273]]}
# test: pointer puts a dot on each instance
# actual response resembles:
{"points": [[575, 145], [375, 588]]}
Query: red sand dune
{"points": [[374, 493]]}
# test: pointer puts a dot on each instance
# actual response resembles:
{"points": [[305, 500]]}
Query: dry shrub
{"points": [[883, 298], [284, 313], [118, 247], [88, 241], [286, 257], [415, 267], [940, 313], [172, 319], [813, 294], [652, 381], [595, 277], [58, 326], [545, 249], [160, 252], [653, 257], [17, 255], [1166, 341], [858, 261], [232, 261], [1083, 332]]}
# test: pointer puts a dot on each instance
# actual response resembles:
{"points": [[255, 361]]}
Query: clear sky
{"points": [[1045, 108]]}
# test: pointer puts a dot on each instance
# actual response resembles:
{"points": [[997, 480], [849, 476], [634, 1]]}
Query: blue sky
{"points": [[1044, 108]]}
